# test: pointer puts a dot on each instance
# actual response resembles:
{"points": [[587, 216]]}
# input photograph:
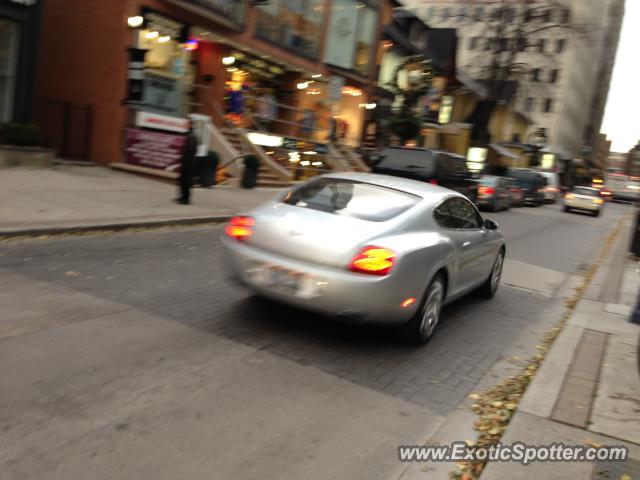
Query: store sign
{"points": [[164, 25], [162, 122], [157, 150], [162, 93], [265, 140], [342, 34]]}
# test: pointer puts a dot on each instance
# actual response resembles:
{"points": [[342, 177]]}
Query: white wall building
{"points": [[561, 66]]}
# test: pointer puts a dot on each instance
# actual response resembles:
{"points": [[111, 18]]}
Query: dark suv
{"points": [[433, 166], [532, 184]]}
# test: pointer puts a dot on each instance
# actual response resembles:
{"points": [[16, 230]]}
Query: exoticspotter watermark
{"points": [[517, 452]]}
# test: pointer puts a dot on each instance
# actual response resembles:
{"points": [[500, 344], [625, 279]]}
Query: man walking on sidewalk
{"points": [[187, 165]]}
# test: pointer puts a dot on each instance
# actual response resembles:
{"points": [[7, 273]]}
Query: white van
{"points": [[552, 190]]}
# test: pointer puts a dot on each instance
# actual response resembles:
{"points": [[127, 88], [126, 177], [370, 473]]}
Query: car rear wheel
{"points": [[490, 286], [566, 209], [596, 213], [422, 326]]}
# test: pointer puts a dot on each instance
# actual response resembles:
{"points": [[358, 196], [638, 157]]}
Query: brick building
{"points": [[104, 61]]}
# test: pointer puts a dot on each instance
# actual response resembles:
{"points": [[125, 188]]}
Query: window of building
{"points": [[509, 14], [432, 13], [528, 15], [548, 105], [522, 44], [546, 15], [9, 38], [446, 13], [535, 74], [351, 35], [462, 14], [291, 24], [541, 45], [560, 45], [473, 43], [488, 44], [553, 75], [565, 16], [478, 14], [528, 104]]}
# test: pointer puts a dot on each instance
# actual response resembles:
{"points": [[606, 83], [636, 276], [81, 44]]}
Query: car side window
{"points": [[463, 214], [442, 216]]}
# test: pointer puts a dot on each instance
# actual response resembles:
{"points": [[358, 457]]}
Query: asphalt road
{"points": [[130, 353]]}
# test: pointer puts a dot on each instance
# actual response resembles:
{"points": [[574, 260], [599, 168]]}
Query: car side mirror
{"points": [[490, 224]]}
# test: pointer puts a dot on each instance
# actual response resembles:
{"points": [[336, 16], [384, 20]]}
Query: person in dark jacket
{"points": [[187, 165]]}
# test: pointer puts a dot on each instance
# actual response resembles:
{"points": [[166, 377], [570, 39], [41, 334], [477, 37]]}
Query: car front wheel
{"points": [[422, 326], [490, 286]]}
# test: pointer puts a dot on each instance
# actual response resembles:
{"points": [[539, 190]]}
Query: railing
{"points": [[66, 127]]}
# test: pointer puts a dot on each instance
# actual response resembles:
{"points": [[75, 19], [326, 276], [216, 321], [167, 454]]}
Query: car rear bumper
{"points": [[326, 290], [582, 206]]}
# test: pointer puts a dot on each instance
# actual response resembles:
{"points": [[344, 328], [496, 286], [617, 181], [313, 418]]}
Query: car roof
{"points": [[585, 187], [425, 190], [420, 149]]}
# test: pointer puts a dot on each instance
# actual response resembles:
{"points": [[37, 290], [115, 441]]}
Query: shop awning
{"points": [[503, 151]]}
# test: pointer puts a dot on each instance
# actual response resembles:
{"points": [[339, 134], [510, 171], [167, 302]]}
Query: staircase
{"points": [[349, 160]]}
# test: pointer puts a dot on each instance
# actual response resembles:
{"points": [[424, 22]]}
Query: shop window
{"points": [[292, 24], [9, 38], [351, 36]]}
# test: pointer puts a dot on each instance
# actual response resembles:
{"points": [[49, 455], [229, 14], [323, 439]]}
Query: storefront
{"points": [[19, 32]]}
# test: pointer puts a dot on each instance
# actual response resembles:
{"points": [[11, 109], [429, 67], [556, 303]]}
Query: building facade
{"points": [[19, 31], [557, 78], [304, 65]]}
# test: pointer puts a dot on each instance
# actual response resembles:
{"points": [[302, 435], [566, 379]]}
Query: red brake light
{"points": [[433, 181], [240, 227], [373, 261], [486, 190]]}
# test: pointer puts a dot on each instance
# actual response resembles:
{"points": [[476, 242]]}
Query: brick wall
{"points": [[84, 60]]}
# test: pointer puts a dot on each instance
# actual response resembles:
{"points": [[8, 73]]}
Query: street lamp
{"points": [[538, 140]]}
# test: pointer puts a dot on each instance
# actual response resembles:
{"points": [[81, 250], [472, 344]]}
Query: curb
{"points": [[109, 227]]}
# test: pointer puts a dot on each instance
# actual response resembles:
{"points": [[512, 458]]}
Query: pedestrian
{"points": [[187, 165]]}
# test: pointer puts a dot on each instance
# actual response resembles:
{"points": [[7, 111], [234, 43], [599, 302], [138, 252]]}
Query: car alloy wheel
{"points": [[496, 273], [431, 310]]}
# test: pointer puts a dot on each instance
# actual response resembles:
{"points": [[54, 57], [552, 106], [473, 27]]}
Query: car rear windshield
{"points": [[488, 180], [354, 199], [586, 191], [406, 159]]}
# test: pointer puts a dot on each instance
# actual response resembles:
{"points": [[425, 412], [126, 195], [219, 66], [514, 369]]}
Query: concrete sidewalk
{"points": [[587, 391], [66, 198]]}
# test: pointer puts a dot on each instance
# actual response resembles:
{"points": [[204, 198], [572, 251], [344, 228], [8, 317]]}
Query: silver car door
{"points": [[472, 238]]}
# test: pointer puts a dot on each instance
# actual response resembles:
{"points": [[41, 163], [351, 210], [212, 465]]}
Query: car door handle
{"points": [[466, 244]]}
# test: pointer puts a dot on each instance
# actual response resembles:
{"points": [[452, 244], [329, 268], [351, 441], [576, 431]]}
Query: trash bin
{"points": [[635, 241], [207, 167], [250, 175]]}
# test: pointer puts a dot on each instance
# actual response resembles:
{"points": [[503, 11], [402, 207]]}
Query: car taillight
{"points": [[373, 261], [240, 227], [486, 190], [569, 195], [433, 181]]}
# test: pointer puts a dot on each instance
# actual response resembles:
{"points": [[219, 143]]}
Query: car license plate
{"points": [[276, 278]]}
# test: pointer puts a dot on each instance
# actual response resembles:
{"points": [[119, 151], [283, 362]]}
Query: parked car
{"points": [[425, 165], [584, 199], [516, 192], [623, 187], [531, 182], [493, 193], [373, 247], [552, 189]]}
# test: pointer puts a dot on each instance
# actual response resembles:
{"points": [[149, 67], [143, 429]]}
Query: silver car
{"points": [[373, 247]]}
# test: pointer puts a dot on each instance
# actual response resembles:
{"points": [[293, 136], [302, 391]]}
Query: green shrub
{"points": [[20, 134]]}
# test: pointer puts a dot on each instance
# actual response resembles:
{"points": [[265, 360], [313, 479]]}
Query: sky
{"points": [[623, 105]]}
